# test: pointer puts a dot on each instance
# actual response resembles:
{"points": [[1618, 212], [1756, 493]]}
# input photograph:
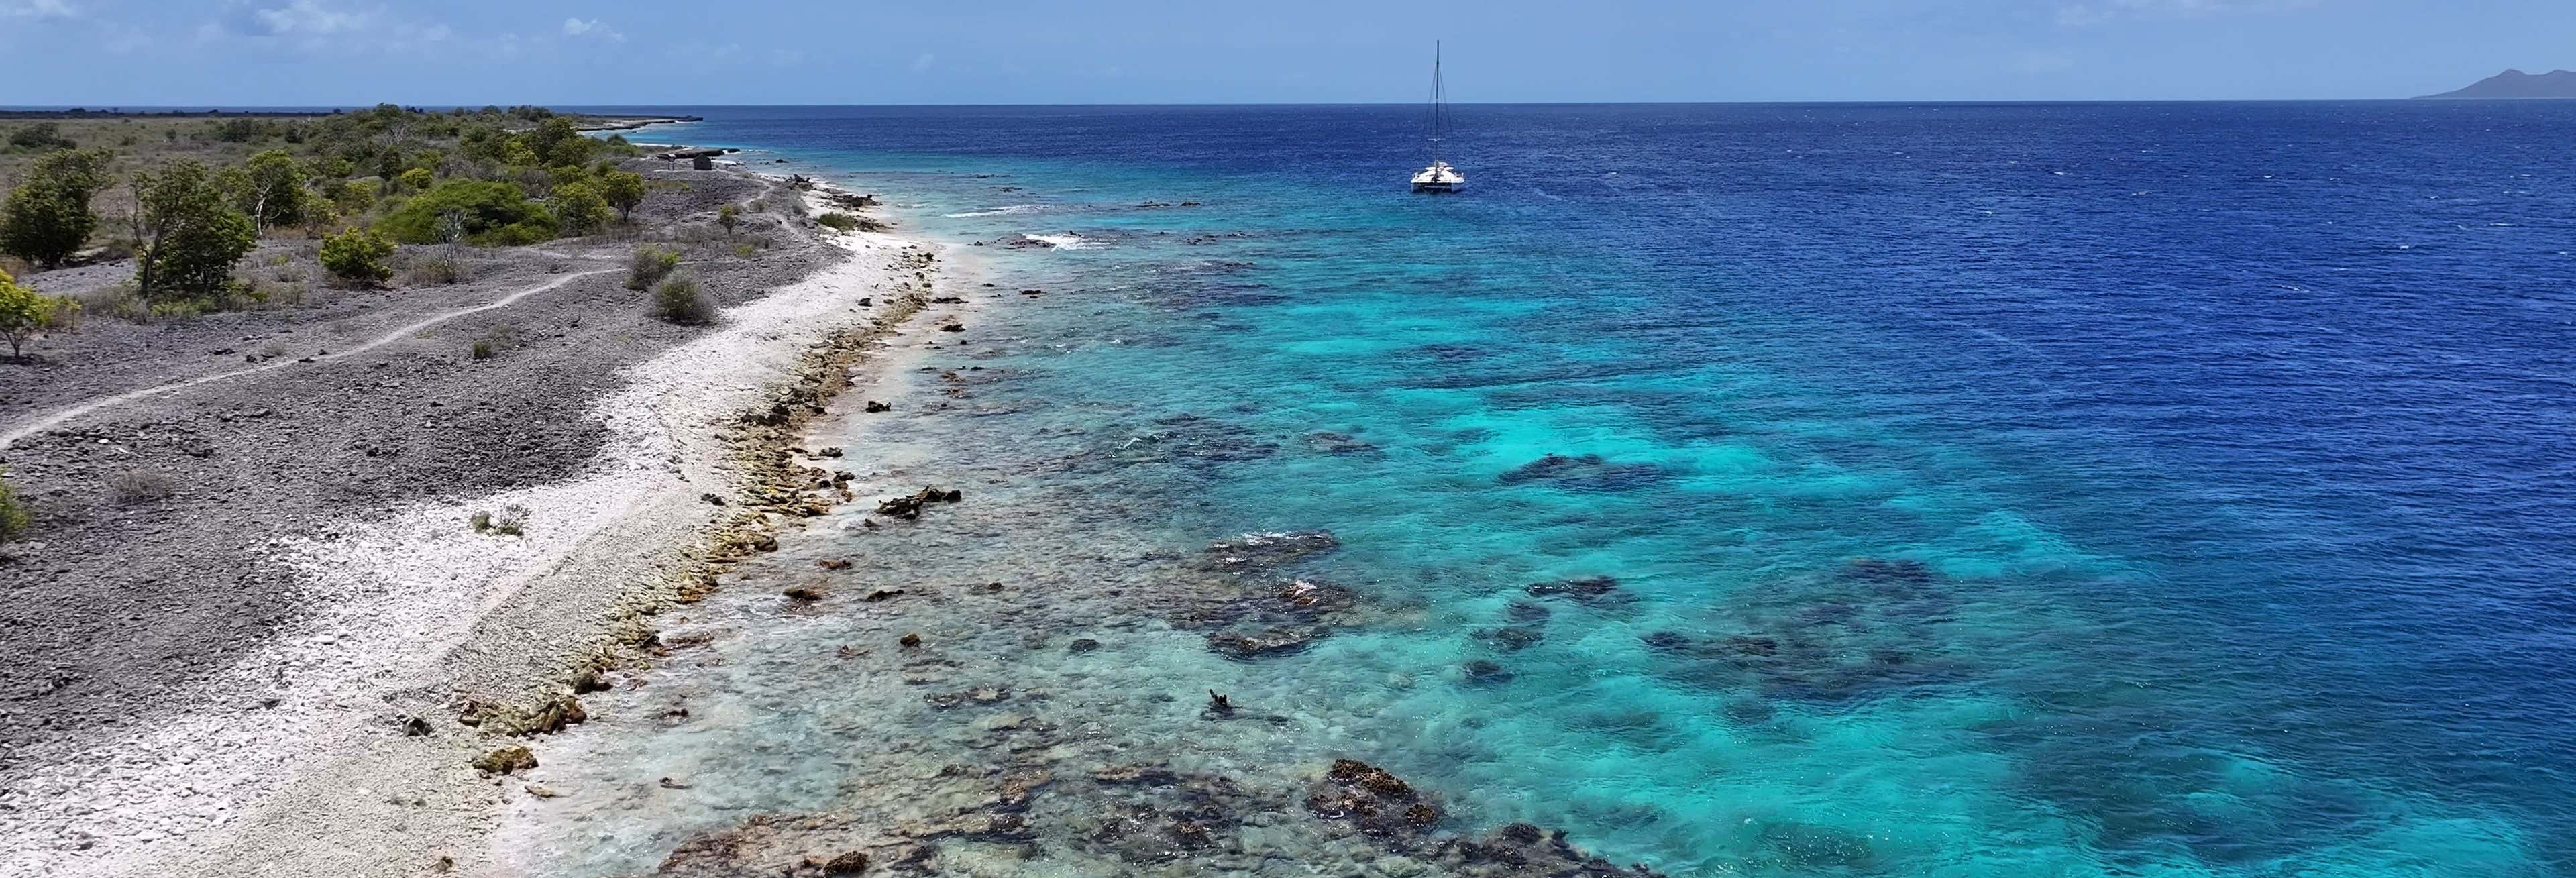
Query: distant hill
{"points": [[2517, 84]]}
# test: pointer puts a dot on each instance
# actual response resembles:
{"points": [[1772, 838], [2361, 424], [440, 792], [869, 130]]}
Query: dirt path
{"points": [[50, 421]]}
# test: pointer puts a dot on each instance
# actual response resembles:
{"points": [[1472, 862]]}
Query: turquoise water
{"points": [[1987, 491]]}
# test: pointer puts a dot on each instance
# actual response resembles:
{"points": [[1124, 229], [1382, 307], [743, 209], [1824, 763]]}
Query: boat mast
{"points": [[1439, 102]]}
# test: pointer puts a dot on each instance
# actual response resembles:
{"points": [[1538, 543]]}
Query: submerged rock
{"points": [[1268, 550], [1512, 638], [1373, 800], [1590, 472], [1330, 442], [1587, 589], [1482, 672], [1245, 646]]}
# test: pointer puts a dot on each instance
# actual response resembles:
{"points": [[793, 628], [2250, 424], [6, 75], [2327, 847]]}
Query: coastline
{"points": [[418, 615]]}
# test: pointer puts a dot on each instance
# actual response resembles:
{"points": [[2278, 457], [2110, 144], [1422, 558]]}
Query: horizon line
{"points": [[440, 105]]}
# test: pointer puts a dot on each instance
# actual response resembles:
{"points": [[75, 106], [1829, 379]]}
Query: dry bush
{"points": [[141, 486]]}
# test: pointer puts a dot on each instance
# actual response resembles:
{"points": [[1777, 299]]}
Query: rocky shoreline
{"points": [[397, 632]]}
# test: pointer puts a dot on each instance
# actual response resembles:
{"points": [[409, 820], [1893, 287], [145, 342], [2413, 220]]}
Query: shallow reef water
{"points": [[1865, 497]]}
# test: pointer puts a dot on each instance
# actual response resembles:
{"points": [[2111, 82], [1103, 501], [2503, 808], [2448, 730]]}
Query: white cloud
{"points": [[922, 63], [39, 9], [574, 27], [2094, 12], [308, 18]]}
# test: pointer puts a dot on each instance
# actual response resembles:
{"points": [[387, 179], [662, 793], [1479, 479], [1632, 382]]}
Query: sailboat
{"points": [[1439, 176]]}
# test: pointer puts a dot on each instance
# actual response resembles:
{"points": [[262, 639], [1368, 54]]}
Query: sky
{"points": [[131, 53]]}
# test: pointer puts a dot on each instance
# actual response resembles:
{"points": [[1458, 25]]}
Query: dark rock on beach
{"points": [[909, 507]]}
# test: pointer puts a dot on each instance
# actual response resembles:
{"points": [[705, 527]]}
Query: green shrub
{"points": [[486, 212], [649, 265], [416, 179], [13, 511], [582, 209], [839, 220], [727, 216], [482, 349], [679, 301], [24, 315], [357, 256]]}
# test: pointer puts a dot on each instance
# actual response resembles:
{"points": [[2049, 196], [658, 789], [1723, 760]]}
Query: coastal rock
{"points": [[875, 406], [909, 507], [804, 594], [1082, 645], [506, 760], [1483, 672], [848, 863]]}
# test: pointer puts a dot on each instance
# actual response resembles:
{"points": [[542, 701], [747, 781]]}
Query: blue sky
{"points": [[306, 52]]}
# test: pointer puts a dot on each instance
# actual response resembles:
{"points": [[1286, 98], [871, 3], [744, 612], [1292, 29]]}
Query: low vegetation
{"points": [[510, 521], [357, 256], [648, 265], [14, 517], [188, 197], [26, 316], [679, 301], [141, 486]]}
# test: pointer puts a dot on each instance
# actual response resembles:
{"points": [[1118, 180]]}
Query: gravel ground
{"points": [[177, 585]]}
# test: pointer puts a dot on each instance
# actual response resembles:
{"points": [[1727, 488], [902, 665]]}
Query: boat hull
{"points": [[1443, 187]]}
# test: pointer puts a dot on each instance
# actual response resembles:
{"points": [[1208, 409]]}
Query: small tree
{"points": [[357, 256], [624, 190], [580, 207], [270, 189], [47, 218], [416, 179], [727, 216], [24, 316], [187, 235]]}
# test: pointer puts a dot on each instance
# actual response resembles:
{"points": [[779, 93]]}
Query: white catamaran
{"points": [[1439, 177]]}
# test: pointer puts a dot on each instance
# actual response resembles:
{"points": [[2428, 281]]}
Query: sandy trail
{"points": [[58, 418]]}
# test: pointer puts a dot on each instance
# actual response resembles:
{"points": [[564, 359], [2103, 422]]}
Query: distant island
{"points": [[2516, 84]]}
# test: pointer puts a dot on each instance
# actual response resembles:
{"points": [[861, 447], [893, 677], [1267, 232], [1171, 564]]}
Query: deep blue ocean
{"points": [[2065, 489]]}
